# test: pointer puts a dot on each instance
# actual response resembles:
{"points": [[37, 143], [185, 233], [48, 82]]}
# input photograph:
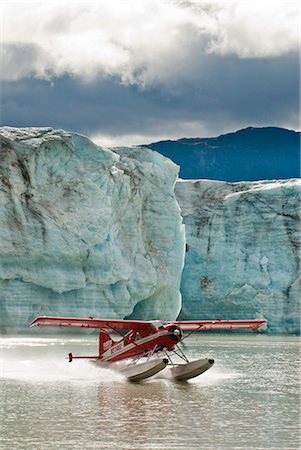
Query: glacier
{"points": [[92, 231], [243, 258], [82, 231]]}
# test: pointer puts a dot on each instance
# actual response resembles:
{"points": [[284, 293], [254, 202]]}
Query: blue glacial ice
{"points": [[82, 231], [244, 251], [89, 231]]}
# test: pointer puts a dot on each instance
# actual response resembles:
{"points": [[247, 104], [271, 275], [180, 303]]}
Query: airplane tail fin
{"points": [[105, 341]]}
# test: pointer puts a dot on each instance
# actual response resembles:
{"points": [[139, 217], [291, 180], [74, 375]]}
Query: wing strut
{"points": [[124, 338], [191, 332]]}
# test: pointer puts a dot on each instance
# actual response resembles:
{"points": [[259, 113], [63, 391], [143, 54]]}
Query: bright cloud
{"points": [[140, 42]]}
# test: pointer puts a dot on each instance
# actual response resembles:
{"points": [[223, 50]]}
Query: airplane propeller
{"points": [[175, 333]]}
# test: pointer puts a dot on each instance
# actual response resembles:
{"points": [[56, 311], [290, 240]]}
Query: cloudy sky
{"points": [[129, 72]]}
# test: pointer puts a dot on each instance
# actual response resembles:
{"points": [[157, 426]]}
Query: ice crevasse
{"points": [[82, 231]]}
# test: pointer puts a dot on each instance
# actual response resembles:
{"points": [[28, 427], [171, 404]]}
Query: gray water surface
{"points": [[250, 399]]}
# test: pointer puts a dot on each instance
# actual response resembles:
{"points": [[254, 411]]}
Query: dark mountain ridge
{"points": [[245, 155]]}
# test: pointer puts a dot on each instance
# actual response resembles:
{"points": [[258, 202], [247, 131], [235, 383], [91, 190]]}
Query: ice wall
{"points": [[85, 231], [244, 251]]}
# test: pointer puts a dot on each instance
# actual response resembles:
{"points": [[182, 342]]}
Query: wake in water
{"points": [[215, 375], [45, 360]]}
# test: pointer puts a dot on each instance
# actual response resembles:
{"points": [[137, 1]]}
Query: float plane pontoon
{"points": [[154, 341]]}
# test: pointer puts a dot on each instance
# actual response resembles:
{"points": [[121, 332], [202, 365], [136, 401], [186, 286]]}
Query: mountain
{"points": [[246, 155]]}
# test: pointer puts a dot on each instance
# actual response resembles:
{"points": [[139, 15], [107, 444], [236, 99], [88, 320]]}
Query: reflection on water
{"points": [[248, 400]]}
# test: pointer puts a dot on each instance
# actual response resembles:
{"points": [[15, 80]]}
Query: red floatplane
{"points": [[154, 341]]}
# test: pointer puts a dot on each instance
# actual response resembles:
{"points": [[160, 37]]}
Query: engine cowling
{"points": [[175, 333]]}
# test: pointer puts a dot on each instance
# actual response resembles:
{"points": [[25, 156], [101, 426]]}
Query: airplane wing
{"points": [[146, 326], [203, 325], [111, 324]]}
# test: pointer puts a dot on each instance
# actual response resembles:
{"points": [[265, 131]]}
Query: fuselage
{"points": [[133, 344]]}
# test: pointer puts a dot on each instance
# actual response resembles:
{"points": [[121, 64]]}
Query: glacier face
{"points": [[244, 251], [82, 231], [88, 231]]}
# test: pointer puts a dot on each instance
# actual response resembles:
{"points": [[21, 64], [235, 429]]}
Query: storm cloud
{"points": [[154, 71]]}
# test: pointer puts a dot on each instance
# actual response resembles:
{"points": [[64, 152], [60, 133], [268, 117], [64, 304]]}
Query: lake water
{"points": [[250, 399]]}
